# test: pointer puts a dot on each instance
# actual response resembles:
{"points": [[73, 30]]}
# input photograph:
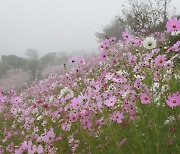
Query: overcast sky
{"points": [[55, 25]]}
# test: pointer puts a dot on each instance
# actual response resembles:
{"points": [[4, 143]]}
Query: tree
{"points": [[117, 26], [33, 66], [49, 58], [3, 69], [32, 53], [13, 61], [138, 16]]}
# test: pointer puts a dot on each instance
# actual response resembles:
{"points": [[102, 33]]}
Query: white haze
{"points": [[55, 25]]}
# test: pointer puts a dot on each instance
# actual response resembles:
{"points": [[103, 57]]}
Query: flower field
{"points": [[124, 99]]}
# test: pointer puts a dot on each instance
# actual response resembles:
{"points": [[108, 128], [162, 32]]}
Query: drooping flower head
{"points": [[175, 47]]}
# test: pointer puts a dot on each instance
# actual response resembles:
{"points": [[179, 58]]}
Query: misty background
{"points": [[37, 37], [55, 25]]}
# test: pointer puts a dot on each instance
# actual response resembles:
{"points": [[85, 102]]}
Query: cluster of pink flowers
{"points": [[100, 90]]}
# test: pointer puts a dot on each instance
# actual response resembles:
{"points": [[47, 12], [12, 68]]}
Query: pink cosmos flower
{"points": [[12, 93], [155, 51], [175, 47], [73, 117], [1, 150], [132, 60], [173, 25], [99, 122], [127, 37], [104, 55], [66, 126], [7, 137], [111, 101], [160, 60], [84, 113], [117, 116], [17, 100], [104, 45], [137, 42], [169, 65], [53, 85], [3, 99], [10, 148], [49, 137], [81, 61], [112, 39], [137, 83], [73, 60], [39, 149], [109, 76], [145, 98], [76, 103], [173, 100], [86, 123]]}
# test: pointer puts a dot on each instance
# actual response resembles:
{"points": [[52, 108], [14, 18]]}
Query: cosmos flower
{"points": [[145, 98], [72, 59], [173, 25], [149, 43], [132, 60], [175, 47], [169, 65], [173, 100], [127, 37], [104, 55], [117, 117], [111, 101], [160, 60]]}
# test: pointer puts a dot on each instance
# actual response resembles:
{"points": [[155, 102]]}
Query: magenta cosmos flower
{"points": [[160, 60], [173, 25], [173, 100], [145, 98]]}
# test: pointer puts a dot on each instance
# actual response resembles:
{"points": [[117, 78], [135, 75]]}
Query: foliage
{"points": [[32, 53]]}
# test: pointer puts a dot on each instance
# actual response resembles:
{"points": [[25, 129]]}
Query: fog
{"points": [[55, 25]]}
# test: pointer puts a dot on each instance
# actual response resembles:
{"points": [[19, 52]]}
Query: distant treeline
{"points": [[32, 63]]}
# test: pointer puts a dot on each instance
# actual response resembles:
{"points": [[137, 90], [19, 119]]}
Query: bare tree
{"points": [[138, 15], [32, 53]]}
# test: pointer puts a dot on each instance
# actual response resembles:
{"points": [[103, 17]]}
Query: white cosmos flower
{"points": [[149, 43], [175, 33]]}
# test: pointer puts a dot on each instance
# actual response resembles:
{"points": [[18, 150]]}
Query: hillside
{"points": [[124, 99]]}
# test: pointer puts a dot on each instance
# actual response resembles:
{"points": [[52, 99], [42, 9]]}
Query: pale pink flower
{"points": [[173, 100], [173, 25], [145, 99], [160, 60]]}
